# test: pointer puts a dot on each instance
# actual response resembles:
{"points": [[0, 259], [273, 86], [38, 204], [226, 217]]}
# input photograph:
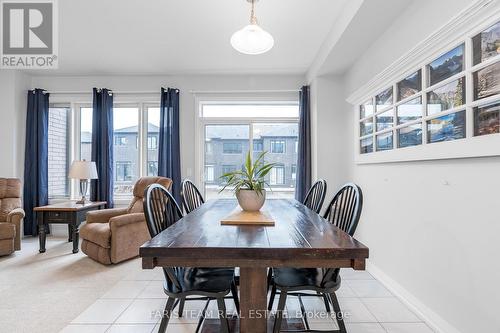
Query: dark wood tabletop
{"points": [[299, 238]]}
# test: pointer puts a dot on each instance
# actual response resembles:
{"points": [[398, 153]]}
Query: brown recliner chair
{"points": [[110, 236], [11, 215]]}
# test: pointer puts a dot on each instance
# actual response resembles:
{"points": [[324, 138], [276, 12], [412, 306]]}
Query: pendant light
{"points": [[252, 39]]}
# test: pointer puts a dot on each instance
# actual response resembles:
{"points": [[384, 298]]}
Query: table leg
{"points": [[253, 299], [75, 237], [41, 231], [70, 233]]}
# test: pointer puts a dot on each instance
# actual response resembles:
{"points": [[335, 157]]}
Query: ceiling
{"points": [[188, 36], [157, 37]]}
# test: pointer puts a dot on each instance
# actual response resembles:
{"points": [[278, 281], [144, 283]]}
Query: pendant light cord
{"points": [[253, 19]]}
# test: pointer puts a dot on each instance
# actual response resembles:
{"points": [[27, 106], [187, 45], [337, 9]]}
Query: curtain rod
{"points": [[241, 91], [90, 92]]}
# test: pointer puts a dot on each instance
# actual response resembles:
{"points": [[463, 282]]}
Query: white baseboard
{"points": [[435, 321]]}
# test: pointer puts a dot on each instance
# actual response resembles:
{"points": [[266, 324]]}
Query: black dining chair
{"points": [[162, 211], [191, 196], [344, 212], [316, 196]]}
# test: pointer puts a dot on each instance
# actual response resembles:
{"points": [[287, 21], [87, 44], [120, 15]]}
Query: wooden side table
{"points": [[69, 213]]}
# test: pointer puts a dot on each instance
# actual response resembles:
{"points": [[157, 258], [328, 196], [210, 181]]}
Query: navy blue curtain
{"points": [[101, 189], [304, 150], [36, 157], [169, 148]]}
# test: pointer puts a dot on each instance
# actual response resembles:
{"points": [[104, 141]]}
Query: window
{"points": [[123, 172], [209, 173], [294, 171], [58, 151], [227, 141], [435, 102], [277, 175], [153, 116], [278, 146], [86, 133], [121, 141], [258, 145], [125, 149], [232, 147], [296, 146]]}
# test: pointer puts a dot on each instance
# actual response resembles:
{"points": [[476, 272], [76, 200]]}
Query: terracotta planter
{"points": [[251, 200]]}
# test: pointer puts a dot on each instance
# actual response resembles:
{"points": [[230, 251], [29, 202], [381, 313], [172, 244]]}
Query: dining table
{"points": [[299, 238]]}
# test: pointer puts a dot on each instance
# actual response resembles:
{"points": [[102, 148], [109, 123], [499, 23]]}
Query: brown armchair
{"points": [[110, 236], [11, 215]]}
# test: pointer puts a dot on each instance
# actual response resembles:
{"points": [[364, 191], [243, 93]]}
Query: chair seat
{"points": [[302, 278], [206, 280], [97, 233]]}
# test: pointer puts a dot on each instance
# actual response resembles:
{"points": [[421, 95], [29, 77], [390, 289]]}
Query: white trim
{"points": [[434, 320], [437, 43]]}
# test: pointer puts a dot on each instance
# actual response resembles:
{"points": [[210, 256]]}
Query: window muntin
{"points": [[487, 81], [487, 119], [384, 99], [59, 151], [446, 128], [410, 85], [486, 44], [446, 97], [410, 110], [277, 147], [447, 65]]}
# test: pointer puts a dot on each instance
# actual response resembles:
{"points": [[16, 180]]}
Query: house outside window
{"points": [[120, 140], [209, 173], [258, 145], [152, 142], [123, 171], [152, 168], [278, 146], [294, 171]]}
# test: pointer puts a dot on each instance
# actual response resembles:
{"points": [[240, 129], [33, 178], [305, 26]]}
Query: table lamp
{"points": [[84, 171]]}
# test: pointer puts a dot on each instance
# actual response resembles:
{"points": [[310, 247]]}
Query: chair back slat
{"points": [[191, 196], [344, 212], [162, 211], [316, 196]]}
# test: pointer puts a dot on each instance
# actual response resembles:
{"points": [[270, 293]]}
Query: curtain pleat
{"points": [[169, 150], [36, 158], [102, 146], [304, 147]]}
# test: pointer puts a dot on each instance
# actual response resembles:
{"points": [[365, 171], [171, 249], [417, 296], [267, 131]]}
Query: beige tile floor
{"points": [[129, 306]]}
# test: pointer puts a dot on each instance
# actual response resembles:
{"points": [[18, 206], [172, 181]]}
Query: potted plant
{"points": [[248, 183]]}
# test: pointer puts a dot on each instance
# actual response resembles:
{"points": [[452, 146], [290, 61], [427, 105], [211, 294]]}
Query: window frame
{"points": [[470, 146], [250, 98]]}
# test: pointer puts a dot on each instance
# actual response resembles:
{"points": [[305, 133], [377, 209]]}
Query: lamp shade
{"points": [[252, 39], [83, 170]]}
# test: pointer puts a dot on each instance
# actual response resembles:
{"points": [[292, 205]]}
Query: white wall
{"points": [[433, 227], [186, 84], [13, 89], [329, 133]]}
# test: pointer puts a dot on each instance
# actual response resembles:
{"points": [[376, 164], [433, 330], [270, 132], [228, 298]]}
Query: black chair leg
{"points": [[327, 303], [202, 317], [280, 311], [234, 292], [338, 313], [224, 323], [271, 300], [269, 277], [181, 307], [166, 315]]}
